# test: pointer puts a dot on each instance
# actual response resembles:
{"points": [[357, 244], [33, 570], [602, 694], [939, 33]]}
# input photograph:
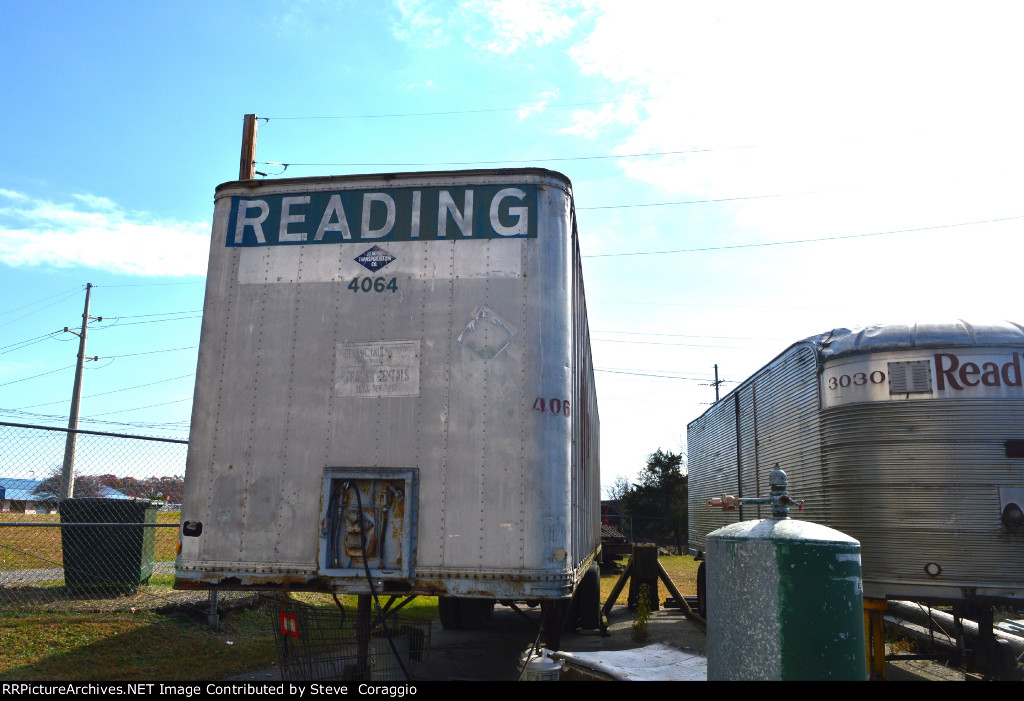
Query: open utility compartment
{"points": [[368, 520]]}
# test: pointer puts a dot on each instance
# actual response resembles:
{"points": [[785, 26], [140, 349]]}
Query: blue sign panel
{"points": [[392, 214], [374, 259]]}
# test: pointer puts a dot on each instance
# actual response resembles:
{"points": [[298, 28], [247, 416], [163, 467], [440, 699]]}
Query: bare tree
{"points": [[617, 489], [85, 486]]}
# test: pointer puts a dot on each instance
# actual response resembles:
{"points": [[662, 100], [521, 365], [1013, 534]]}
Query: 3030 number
{"points": [[857, 379]]}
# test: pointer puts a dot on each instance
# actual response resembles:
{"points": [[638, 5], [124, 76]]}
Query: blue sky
{"points": [[746, 175]]}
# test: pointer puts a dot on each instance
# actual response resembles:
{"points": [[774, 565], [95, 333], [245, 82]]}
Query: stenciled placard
{"points": [[377, 369]]}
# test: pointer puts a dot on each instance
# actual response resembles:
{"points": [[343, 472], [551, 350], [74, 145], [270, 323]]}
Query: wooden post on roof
{"points": [[247, 163]]}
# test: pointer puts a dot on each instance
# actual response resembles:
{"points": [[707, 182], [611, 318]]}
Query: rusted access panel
{"points": [[367, 523]]}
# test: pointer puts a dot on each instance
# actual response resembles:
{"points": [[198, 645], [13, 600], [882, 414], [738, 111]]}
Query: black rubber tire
{"points": [[589, 596], [449, 611], [474, 613], [702, 591]]}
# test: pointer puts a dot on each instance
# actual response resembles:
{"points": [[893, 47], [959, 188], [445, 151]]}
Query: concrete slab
{"points": [[656, 662]]}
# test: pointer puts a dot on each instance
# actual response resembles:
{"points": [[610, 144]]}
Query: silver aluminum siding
{"points": [[586, 438], [918, 482], [784, 430], [498, 514]]}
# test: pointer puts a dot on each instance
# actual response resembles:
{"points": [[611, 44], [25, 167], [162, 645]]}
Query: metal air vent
{"points": [[911, 376]]}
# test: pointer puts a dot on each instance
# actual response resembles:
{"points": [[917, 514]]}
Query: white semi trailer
{"points": [[395, 387], [907, 437]]}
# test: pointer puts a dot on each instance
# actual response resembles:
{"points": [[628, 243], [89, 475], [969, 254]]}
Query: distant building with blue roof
{"points": [[18, 495]]}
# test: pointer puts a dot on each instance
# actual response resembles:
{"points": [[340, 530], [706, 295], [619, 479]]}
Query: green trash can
{"points": [[107, 559]]}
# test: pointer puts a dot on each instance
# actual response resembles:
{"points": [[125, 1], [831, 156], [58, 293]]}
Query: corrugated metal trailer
{"points": [[910, 438], [401, 357]]}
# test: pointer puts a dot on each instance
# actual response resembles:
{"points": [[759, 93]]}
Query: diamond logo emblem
{"points": [[374, 259]]}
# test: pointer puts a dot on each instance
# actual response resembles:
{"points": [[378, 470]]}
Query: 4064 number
{"points": [[373, 284]]}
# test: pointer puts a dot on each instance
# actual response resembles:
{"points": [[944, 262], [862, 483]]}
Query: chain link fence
{"points": [[111, 546]]}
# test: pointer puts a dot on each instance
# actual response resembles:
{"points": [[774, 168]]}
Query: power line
{"points": [[62, 297], [167, 425], [27, 342], [485, 110], [772, 307], [664, 343], [797, 241], [711, 201], [50, 372], [117, 319], [139, 408], [144, 316], [666, 372], [100, 357], [683, 335], [506, 160], [132, 355], [114, 391], [157, 284], [656, 375]]}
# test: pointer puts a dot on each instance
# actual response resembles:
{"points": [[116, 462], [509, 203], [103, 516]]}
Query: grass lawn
{"points": [[40, 548], [143, 646], [682, 570]]}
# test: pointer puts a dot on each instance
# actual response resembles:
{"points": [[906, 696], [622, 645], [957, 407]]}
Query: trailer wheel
{"points": [[589, 595], [448, 611], [702, 591], [474, 613]]}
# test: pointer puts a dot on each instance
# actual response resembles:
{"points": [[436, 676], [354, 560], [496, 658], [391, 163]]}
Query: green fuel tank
{"points": [[784, 598]]}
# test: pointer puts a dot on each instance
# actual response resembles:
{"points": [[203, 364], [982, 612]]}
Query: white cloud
{"points": [[94, 202], [419, 24], [95, 232], [517, 23], [499, 26], [12, 195], [539, 106], [590, 123], [425, 85], [908, 108]]}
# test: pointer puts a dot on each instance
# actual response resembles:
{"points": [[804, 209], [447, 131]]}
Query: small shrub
{"points": [[643, 615]]}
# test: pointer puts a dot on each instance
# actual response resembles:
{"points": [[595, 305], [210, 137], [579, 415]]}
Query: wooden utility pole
{"points": [[67, 475], [247, 163]]}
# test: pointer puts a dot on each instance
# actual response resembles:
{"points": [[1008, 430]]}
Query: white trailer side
{"points": [[404, 356]]}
